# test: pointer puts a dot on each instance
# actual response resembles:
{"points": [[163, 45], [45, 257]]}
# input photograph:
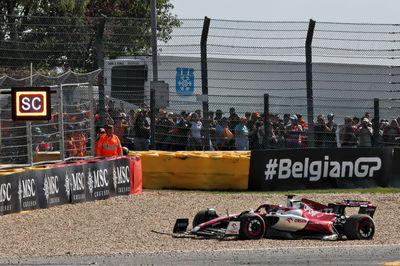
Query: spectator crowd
{"points": [[183, 130], [177, 131]]}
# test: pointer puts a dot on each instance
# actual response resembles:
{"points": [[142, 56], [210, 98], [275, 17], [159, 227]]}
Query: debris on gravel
{"points": [[143, 223]]}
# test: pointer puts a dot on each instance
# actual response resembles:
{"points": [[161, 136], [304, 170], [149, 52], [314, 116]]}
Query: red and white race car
{"points": [[301, 218]]}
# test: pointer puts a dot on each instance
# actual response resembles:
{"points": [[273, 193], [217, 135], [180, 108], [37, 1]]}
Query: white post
{"points": [[29, 129], [61, 122], [92, 126]]}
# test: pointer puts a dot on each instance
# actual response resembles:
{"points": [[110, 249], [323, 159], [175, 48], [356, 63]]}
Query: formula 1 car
{"points": [[301, 218]]}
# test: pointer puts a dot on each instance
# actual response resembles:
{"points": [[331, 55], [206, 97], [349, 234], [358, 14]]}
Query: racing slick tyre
{"points": [[359, 226], [252, 226], [204, 216]]}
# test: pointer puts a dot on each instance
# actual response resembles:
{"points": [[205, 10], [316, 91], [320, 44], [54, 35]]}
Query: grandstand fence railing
{"points": [[72, 122]]}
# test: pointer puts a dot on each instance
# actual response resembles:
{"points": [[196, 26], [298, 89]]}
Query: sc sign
{"points": [[32, 103]]}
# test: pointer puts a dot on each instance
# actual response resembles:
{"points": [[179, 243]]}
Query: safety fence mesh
{"points": [[352, 64], [69, 133]]}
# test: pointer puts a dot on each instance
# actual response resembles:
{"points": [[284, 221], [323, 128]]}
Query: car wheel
{"points": [[359, 226], [252, 226], [204, 216]]}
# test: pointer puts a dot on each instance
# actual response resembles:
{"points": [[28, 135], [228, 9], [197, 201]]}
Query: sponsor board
{"points": [[121, 170], [319, 168], [27, 189], [8, 194], [75, 183], [51, 187], [90, 180], [98, 181], [395, 180]]}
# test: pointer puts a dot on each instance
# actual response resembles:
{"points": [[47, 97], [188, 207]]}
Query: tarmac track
{"points": [[333, 255]]}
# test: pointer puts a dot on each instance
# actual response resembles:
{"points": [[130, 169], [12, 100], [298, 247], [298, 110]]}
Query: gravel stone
{"points": [[142, 223]]}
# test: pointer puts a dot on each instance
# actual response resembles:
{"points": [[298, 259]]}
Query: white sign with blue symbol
{"points": [[184, 81]]}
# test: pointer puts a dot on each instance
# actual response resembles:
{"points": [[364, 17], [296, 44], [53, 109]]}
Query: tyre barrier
{"points": [[206, 170], [268, 170], [44, 186]]}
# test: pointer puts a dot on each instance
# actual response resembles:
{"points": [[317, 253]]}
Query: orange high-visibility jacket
{"points": [[108, 146], [80, 143], [70, 148]]}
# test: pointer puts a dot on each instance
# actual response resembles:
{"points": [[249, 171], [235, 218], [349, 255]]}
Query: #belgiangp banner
{"points": [[292, 169]]}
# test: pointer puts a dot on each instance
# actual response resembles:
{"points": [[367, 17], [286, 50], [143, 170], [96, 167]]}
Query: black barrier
{"points": [[73, 183], [52, 187], [98, 180], [27, 190], [9, 202], [120, 181], [395, 180], [314, 168], [76, 180]]}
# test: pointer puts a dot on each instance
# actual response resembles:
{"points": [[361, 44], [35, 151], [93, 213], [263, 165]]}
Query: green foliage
{"points": [[51, 8], [65, 32]]}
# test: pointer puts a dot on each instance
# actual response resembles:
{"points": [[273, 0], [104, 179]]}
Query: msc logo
{"points": [[31, 103]]}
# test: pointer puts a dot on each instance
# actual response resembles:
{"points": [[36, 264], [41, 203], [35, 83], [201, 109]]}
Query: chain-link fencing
{"points": [[223, 71], [352, 64], [69, 134]]}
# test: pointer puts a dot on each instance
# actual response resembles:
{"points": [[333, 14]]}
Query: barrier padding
{"points": [[136, 175], [44, 186], [135, 164], [222, 170], [208, 170]]}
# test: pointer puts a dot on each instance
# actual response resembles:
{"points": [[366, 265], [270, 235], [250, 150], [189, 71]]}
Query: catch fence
{"points": [[307, 68]]}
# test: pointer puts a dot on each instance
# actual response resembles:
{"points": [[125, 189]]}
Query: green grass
{"points": [[341, 190]]}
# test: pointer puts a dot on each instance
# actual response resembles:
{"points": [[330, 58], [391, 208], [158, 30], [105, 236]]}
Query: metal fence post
{"points": [[29, 127], [266, 121], [61, 122], [376, 122], [310, 100], [204, 81], [100, 64], [91, 121], [29, 137], [153, 14], [152, 118], [153, 8]]}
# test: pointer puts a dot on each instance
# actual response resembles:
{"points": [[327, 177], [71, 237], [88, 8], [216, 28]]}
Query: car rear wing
{"points": [[355, 203], [369, 210], [366, 207]]}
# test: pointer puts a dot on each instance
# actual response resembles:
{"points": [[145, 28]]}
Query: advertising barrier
{"points": [[320, 168], [395, 180], [75, 182], [51, 187], [27, 190]]}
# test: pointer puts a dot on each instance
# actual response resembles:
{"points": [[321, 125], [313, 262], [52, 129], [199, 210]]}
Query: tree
{"points": [[63, 32]]}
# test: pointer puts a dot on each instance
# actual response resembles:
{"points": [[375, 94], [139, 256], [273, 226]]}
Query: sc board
{"points": [[31, 103]]}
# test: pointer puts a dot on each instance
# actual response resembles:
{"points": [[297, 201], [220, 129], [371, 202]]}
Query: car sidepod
{"points": [[289, 222]]}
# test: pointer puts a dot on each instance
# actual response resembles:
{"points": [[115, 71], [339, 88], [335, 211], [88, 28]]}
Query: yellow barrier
{"points": [[225, 170], [195, 170]]}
